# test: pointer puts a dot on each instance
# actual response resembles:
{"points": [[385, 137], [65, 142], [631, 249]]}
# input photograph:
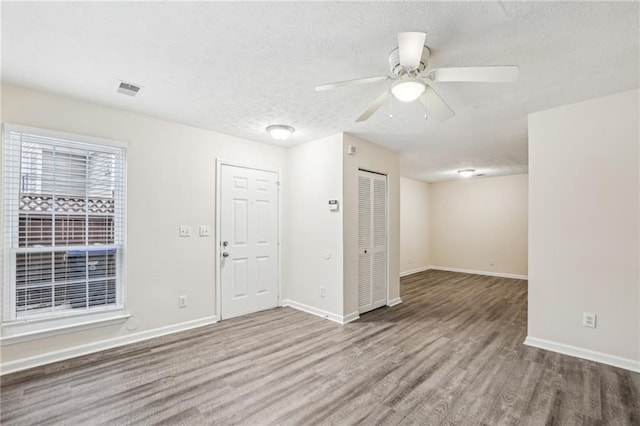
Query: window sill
{"points": [[22, 331]]}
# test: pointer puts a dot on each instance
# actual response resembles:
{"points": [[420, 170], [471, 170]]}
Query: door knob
{"points": [[225, 254]]}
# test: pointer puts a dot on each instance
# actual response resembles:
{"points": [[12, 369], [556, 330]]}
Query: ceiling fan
{"points": [[412, 78]]}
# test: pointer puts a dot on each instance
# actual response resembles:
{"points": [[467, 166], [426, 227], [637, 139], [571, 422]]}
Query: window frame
{"points": [[17, 328]]}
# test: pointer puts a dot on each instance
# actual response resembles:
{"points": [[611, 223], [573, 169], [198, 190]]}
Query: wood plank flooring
{"points": [[450, 354]]}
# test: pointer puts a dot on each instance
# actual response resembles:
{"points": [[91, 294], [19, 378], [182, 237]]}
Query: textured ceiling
{"points": [[237, 67]]}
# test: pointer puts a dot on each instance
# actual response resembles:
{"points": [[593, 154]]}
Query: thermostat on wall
{"points": [[333, 205]]}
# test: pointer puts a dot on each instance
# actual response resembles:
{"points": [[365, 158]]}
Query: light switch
{"points": [[185, 231], [205, 231]]}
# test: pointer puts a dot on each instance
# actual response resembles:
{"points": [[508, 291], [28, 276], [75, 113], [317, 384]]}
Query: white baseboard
{"points": [[414, 271], [394, 302], [616, 361], [350, 317], [321, 313], [89, 348], [473, 271]]}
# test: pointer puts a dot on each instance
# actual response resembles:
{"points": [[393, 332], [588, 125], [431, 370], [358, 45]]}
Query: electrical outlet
{"points": [[205, 231], [185, 231], [182, 301], [589, 320], [492, 262], [322, 292]]}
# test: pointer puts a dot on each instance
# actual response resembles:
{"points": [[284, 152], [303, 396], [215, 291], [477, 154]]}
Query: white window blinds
{"points": [[63, 224]]}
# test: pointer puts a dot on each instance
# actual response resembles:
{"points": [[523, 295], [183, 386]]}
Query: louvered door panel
{"points": [[372, 241], [364, 212], [364, 241], [379, 279], [379, 232], [364, 280]]}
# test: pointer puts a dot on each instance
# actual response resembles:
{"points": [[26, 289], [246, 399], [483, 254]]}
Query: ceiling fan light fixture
{"points": [[408, 89], [466, 172], [280, 132]]}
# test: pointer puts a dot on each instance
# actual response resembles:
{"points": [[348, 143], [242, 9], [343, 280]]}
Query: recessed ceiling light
{"points": [[466, 172], [128, 89], [280, 132]]}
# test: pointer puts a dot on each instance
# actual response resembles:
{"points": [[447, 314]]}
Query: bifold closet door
{"points": [[372, 241]]}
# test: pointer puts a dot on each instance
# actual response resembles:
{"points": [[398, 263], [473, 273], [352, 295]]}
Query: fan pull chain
{"points": [[425, 110], [390, 105]]}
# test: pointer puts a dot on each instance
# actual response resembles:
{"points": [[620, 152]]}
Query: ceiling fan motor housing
{"points": [[397, 69]]}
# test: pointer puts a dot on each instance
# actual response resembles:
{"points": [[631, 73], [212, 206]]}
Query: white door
{"points": [[372, 241], [248, 240]]}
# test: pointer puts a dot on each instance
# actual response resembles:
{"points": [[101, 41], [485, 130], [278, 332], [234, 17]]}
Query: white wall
{"points": [[319, 171], [314, 232], [584, 227], [170, 182], [373, 158], [414, 225], [474, 220]]}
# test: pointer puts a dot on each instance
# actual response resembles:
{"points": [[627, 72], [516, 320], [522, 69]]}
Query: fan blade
{"points": [[350, 83], [410, 49], [496, 74], [374, 106], [435, 105]]}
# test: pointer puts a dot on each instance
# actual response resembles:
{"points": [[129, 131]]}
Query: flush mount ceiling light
{"points": [[408, 89], [466, 172], [280, 132]]}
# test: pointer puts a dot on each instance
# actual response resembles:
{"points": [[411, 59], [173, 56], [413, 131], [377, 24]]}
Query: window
{"points": [[63, 224]]}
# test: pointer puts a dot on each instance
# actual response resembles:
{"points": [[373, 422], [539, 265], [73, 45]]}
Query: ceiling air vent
{"points": [[128, 89]]}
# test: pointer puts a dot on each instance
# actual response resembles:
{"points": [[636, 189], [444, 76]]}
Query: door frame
{"points": [[218, 242], [386, 232]]}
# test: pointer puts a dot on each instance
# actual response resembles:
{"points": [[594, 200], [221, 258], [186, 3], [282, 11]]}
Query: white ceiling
{"points": [[236, 67]]}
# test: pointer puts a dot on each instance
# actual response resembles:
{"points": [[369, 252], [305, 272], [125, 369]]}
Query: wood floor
{"points": [[452, 353]]}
